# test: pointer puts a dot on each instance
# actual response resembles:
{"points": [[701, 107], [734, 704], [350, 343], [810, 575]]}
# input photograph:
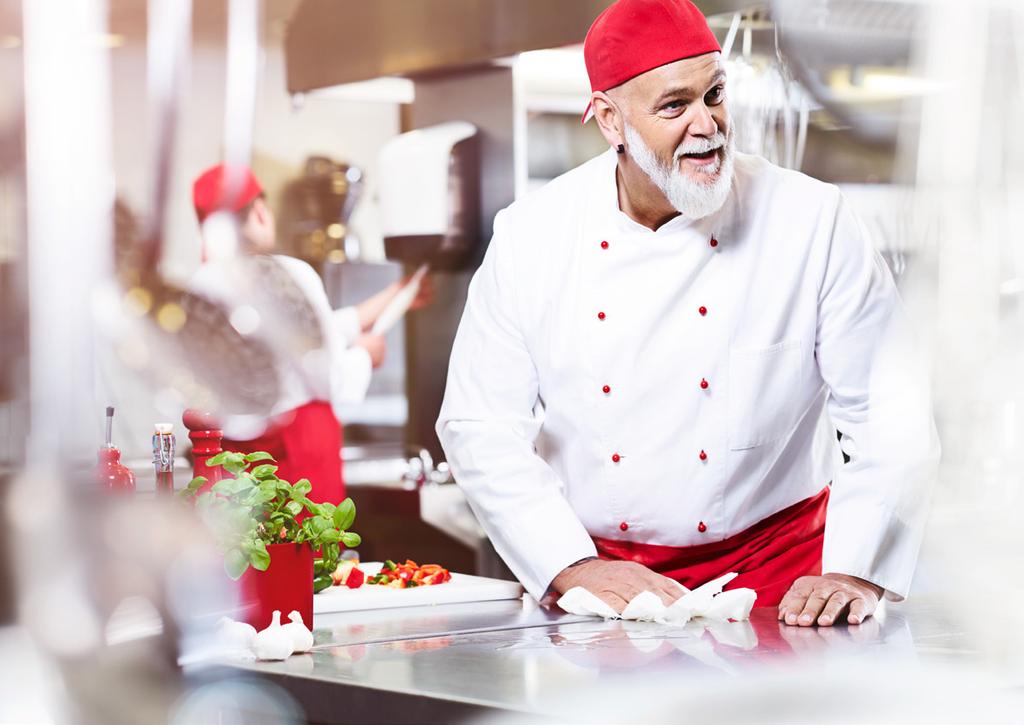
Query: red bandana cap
{"points": [[634, 36], [210, 192]]}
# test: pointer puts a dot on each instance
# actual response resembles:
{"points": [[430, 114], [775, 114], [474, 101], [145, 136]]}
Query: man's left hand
{"points": [[827, 599]]}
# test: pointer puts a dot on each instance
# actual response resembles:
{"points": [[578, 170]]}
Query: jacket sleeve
{"points": [[488, 426], [346, 324], [880, 402], [351, 375]]}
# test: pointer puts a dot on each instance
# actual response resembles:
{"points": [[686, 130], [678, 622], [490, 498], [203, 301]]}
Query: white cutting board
{"points": [[461, 588]]}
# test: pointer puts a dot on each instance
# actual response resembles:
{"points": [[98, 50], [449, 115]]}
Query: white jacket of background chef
{"points": [[596, 360], [340, 374]]}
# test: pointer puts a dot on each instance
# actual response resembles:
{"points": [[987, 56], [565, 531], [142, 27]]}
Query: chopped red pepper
{"points": [[355, 578]]}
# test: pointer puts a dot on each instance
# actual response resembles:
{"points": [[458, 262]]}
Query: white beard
{"points": [[692, 198]]}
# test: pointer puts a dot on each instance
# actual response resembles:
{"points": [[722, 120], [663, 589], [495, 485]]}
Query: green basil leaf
{"points": [[331, 552], [235, 467], [293, 507], [351, 539], [225, 487], [265, 471], [258, 456], [219, 459], [235, 563], [318, 524], [331, 536], [241, 521], [229, 461], [321, 582], [259, 560], [325, 509], [195, 484], [232, 486], [345, 515], [204, 499], [302, 486], [267, 492]]}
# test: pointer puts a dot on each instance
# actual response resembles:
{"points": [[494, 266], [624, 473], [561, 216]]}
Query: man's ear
{"points": [[259, 208], [609, 118]]}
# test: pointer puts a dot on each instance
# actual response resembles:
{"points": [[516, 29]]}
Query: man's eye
{"points": [[673, 106], [715, 96]]}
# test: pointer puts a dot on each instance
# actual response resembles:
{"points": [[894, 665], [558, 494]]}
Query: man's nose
{"points": [[703, 122]]}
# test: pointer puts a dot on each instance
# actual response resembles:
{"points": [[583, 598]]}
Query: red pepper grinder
{"points": [[110, 473]]}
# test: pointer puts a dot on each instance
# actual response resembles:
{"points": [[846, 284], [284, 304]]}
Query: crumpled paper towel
{"points": [[707, 601]]}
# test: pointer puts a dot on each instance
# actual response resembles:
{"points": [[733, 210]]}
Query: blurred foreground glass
{"points": [[969, 209], [115, 589]]}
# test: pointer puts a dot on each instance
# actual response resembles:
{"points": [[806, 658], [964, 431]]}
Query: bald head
{"points": [[665, 96]]}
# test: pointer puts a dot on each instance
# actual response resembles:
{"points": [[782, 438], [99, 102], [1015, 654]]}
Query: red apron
{"points": [[306, 443], [769, 556]]}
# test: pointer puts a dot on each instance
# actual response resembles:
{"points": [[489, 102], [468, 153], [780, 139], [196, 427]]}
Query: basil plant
{"points": [[255, 508]]}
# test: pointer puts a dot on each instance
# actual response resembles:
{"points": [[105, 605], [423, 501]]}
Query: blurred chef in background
{"points": [[333, 365], [659, 347]]}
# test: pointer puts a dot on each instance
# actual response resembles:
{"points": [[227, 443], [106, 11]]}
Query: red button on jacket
{"points": [[606, 389], [702, 310], [604, 245], [713, 242], [701, 527], [703, 456], [600, 315], [703, 384], [624, 526], [616, 458]]}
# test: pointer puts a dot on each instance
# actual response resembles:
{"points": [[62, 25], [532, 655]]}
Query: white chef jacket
{"points": [[677, 386], [340, 373]]}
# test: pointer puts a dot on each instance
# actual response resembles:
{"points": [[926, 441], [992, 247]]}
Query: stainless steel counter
{"points": [[444, 663]]}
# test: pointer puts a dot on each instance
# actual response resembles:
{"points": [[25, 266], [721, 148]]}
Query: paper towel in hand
{"points": [[707, 601], [400, 303]]}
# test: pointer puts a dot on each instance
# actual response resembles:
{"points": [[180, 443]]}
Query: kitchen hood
{"points": [[330, 42]]}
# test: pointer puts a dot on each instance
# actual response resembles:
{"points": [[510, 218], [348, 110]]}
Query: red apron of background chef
{"points": [[769, 556], [306, 443]]}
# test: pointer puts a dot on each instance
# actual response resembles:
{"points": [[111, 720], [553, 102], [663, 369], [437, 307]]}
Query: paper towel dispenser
{"points": [[429, 194]]}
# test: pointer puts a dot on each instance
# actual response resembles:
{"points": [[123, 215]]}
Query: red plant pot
{"points": [[287, 584]]}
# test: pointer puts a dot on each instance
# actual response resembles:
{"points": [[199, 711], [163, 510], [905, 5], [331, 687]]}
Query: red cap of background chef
{"points": [[634, 36], [210, 193]]}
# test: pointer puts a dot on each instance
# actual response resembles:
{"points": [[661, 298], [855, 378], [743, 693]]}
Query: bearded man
{"points": [[659, 348]]}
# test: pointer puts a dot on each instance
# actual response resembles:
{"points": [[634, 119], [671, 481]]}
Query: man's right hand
{"points": [[376, 346], [616, 582]]}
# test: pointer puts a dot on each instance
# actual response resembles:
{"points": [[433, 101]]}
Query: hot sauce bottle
{"points": [[163, 457]]}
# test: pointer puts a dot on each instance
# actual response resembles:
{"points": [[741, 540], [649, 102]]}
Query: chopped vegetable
{"points": [[355, 578], [408, 575], [349, 574]]}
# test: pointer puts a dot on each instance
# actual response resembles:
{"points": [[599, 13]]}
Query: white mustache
{"points": [[700, 145]]}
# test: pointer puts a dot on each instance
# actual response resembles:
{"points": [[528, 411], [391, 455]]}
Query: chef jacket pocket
{"points": [[763, 393]]}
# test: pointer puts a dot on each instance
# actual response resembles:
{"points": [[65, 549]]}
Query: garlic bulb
{"points": [[302, 638], [274, 642], [234, 635]]}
